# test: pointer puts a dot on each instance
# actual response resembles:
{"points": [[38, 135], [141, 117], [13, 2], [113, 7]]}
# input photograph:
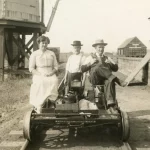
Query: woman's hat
{"points": [[99, 42], [76, 43]]}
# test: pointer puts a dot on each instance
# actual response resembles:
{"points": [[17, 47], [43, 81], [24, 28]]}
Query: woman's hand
{"points": [[48, 74], [65, 81]]}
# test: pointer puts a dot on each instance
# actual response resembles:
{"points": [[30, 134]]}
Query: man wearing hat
{"points": [[100, 68], [73, 66]]}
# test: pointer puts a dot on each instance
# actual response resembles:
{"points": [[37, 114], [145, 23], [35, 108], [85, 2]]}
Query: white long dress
{"points": [[43, 87]]}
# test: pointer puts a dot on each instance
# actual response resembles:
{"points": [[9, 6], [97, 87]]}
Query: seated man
{"points": [[100, 68], [73, 66]]}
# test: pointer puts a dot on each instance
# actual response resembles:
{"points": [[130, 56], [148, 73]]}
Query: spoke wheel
{"points": [[27, 132], [125, 126]]}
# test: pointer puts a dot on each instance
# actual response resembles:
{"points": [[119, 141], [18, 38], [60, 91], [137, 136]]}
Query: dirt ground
{"points": [[135, 100]]}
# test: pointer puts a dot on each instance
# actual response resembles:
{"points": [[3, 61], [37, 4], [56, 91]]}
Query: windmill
{"points": [[24, 18], [52, 16]]}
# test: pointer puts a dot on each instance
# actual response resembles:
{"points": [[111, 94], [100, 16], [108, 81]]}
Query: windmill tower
{"points": [[18, 19]]}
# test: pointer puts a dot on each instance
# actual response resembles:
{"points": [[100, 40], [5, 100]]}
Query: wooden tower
{"points": [[18, 19]]}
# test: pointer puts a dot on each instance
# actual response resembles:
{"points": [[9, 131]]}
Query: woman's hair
{"points": [[43, 38]]}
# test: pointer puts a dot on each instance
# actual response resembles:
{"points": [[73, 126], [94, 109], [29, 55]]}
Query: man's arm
{"points": [[113, 66], [85, 68], [87, 64]]}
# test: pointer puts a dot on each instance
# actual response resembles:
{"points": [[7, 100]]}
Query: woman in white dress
{"points": [[43, 65]]}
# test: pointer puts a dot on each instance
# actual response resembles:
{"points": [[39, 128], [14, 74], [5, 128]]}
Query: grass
{"points": [[13, 92]]}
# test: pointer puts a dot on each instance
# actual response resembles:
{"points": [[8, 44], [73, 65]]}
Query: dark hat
{"points": [[76, 43], [99, 42]]}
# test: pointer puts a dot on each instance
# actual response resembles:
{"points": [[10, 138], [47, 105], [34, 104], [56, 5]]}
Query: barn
{"points": [[132, 47]]}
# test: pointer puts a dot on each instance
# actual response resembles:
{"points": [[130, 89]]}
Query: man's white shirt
{"points": [[74, 63]]}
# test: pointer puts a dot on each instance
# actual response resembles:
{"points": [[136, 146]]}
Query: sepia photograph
{"points": [[74, 75]]}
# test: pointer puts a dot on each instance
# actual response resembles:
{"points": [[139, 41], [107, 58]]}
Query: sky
{"points": [[88, 20]]}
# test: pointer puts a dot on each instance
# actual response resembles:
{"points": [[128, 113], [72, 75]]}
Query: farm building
{"points": [[132, 47]]}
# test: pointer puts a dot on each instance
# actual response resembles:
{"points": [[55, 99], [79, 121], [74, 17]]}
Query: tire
{"points": [[27, 132], [125, 126]]}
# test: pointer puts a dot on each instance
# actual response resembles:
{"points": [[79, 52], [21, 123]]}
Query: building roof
{"points": [[126, 42]]}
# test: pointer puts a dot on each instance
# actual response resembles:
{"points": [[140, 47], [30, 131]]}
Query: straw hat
{"points": [[99, 42]]}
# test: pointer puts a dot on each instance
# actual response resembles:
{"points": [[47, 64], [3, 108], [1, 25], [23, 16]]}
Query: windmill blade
{"points": [[52, 16]]}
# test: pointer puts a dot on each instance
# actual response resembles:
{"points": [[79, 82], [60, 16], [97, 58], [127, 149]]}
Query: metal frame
{"points": [[70, 118]]}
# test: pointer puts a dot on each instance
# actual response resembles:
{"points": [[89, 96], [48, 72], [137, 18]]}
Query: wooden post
{"points": [[35, 45], [145, 74], [2, 50], [141, 64], [42, 11], [22, 59]]}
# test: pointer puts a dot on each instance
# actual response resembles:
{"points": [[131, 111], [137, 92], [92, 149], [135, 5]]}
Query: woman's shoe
{"points": [[66, 96], [113, 110], [38, 110], [51, 104]]}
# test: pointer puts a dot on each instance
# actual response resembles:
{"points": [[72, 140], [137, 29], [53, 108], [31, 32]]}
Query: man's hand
{"points": [[109, 60], [94, 60]]}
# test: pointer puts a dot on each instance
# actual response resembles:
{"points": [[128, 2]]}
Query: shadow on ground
{"points": [[89, 138], [140, 129]]}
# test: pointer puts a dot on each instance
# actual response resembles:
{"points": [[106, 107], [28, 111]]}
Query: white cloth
{"points": [[43, 62], [89, 59], [74, 63], [83, 104], [43, 87], [87, 105]]}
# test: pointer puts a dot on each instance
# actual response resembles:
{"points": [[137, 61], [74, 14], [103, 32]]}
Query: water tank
{"points": [[20, 10]]}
